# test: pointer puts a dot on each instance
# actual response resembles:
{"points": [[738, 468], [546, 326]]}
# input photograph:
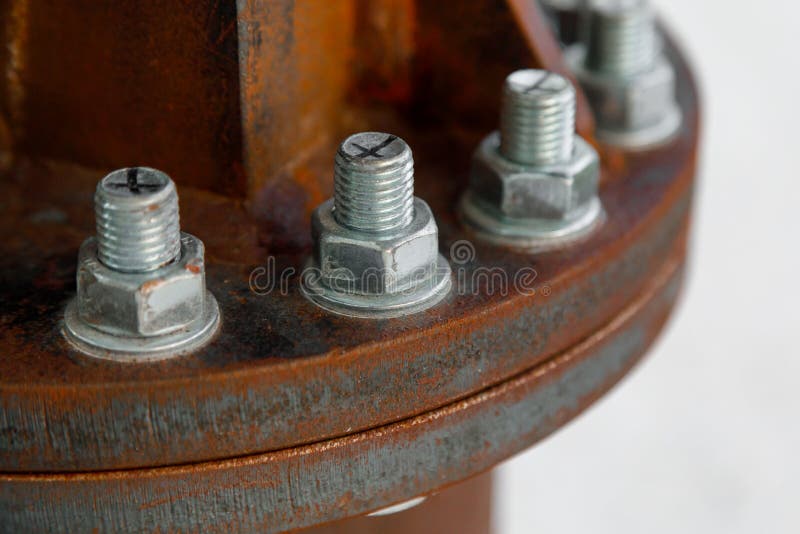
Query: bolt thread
{"points": [[621, 37], [537, 121], [136, 214], [373, 183]]}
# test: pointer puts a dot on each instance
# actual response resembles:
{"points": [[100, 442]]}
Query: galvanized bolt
{"points": [[622, 39], [627, 79], [373, 183], [141, 282], [537, 121], [376, 248], [533, 184], [136, 213]]}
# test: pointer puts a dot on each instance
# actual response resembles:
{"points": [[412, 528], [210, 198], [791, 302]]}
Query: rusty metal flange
{"points": [[330, 480], [291, 416], [283, 373]]}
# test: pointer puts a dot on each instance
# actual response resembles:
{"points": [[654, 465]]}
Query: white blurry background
{"points": [[704, 437]]}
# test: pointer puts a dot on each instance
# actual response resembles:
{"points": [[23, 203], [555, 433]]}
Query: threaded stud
{"points": [[136, 212], [373, 183], [621, 37], [537, 121]]}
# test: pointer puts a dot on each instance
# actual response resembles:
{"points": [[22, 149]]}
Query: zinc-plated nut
{"points": [[141, 291], [141, 304], [533, 184], [551, 191], [629, 82], [379, 264], [376, 250]]}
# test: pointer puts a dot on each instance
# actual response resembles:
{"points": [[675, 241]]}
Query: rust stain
{"points": [[151, 285]]}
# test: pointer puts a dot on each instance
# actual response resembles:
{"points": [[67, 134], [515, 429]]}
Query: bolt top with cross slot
{"points": [[537, 121], [537, 83], [136, 182], [373, 150], [374, 182]]}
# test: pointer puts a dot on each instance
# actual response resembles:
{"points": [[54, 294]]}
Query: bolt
{"points": [[533, 183], [374, 183], [376, 245], [537, 121], [621, 37], [141, 292], [136, 212], [626, 77]]}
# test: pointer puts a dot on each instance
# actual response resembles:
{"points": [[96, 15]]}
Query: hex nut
{"points": [[146, 304], [554, 191], [380, 263], [638, 110]]}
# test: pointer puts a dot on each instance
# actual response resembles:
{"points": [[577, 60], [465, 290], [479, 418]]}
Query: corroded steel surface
{"points": [[325, 481], [249, 98], [292, 417], [281, 372], [109, 84]]}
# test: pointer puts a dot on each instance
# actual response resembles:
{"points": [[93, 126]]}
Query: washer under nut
{"points": [[141, 292]]}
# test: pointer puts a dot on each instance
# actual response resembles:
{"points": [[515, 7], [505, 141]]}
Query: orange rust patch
{"points": [[150, 285]]}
